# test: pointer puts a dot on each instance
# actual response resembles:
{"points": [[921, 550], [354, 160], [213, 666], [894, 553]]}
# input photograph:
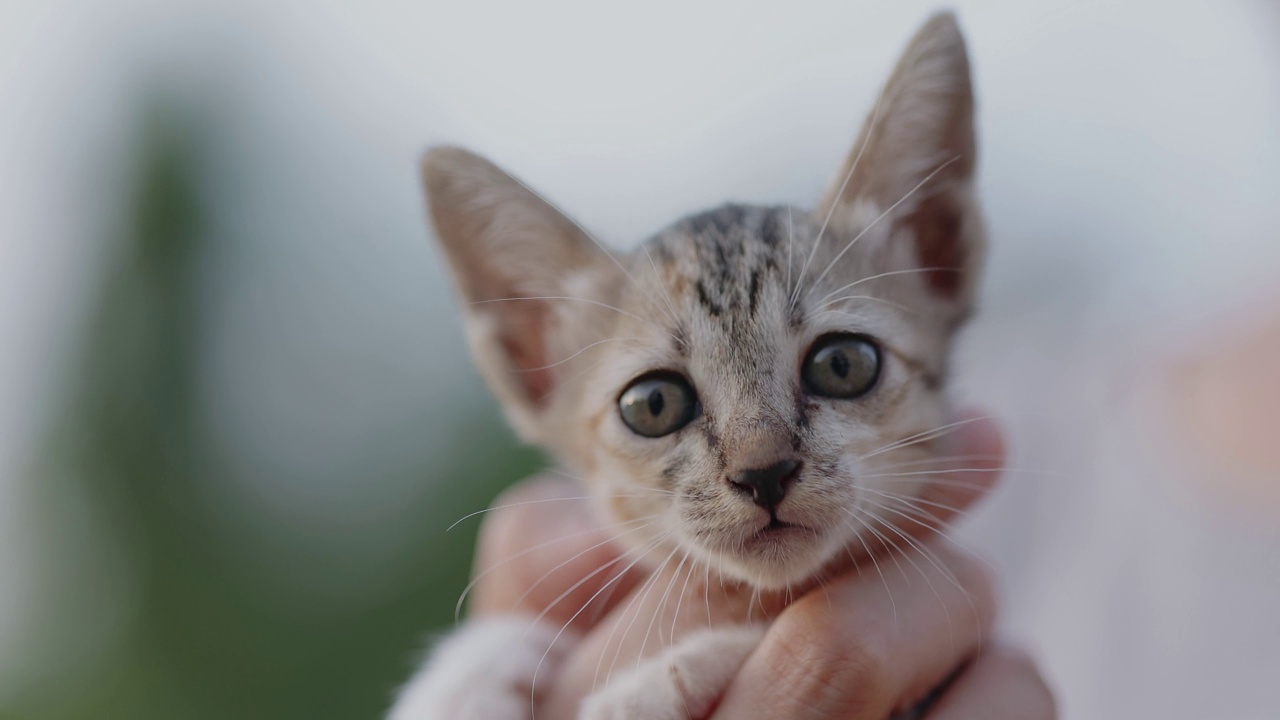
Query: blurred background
{"points": [[237, 416]]}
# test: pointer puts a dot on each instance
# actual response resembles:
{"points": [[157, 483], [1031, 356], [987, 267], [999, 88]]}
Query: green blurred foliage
{"points": [[203, 636]]}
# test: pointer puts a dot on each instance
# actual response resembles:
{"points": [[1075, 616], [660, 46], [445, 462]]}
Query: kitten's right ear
{"points": [[914, 161], [515, 258]]}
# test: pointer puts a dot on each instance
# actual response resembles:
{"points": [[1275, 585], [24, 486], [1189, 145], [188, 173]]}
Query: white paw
{"points": [[683, 682], [484, 671]]}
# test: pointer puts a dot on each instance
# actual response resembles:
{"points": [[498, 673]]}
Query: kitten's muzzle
{"points": [[768, 485]]}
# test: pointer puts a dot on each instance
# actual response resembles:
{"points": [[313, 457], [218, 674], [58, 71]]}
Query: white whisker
{"points": [[653, 491], [662, 604], [937, 565], [457, 610], [679, 601], [533, 685], [952, 471], [935, 459], [791, 241], [588, 347], [824, 302], [882, 216], [925, 436], [874, 563], [581, 229], [666, 296], [868, 298], [528, 591], [641, 597], [835, 199], [588, 301]]}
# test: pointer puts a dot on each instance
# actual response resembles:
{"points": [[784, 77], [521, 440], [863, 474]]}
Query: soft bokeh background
{"points": [[236, 415]]}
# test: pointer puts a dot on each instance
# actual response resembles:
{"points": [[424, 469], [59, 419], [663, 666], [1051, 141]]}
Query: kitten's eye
{"points": [[657, 404], [841, 366]]}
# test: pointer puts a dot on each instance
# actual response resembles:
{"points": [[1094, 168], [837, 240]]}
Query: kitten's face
{"points": [[762, 463], [753, 385]]}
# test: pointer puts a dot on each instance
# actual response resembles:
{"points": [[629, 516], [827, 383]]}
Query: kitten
{"points": [[739, 380]]}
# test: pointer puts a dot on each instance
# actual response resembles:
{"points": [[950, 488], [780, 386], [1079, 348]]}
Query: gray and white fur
{"points": [[731, 300]]}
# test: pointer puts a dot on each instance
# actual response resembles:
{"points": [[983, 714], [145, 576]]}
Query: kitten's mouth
{"points": [[772, 553], [778, 535], [775, 524]]}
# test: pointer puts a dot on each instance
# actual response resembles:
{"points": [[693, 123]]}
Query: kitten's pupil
{"points": [[840, 364], [656, 402]]}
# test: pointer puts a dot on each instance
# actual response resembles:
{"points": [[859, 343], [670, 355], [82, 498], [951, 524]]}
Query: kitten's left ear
{"points": [[914, 160], [534, 284]]}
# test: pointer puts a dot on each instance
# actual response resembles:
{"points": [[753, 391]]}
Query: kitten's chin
{"points": [[777, 558]]}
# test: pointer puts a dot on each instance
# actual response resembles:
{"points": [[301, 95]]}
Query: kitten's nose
{"points": [[767, 485]]}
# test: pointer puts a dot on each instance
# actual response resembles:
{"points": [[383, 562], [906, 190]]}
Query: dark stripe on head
{"points": [[705, 299], [753, 292]]}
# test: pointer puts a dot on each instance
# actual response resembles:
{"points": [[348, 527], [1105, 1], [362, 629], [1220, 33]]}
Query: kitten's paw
{"points": [[683, 682], [484, 671]]}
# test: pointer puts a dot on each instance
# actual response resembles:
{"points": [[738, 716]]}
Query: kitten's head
{"points": [[750, 385]]}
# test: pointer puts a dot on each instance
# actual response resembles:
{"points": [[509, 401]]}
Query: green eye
{"points": [[657, 404], [841, 366]]}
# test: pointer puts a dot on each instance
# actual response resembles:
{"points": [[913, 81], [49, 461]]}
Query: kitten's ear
{"points": [[914, 159], [507, 247]]}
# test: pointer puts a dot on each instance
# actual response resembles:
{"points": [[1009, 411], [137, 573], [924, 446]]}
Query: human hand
{"points": [[865, 644]]}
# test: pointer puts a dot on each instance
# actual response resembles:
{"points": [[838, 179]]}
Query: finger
{"points": [[1001, 684], [680, 597], [869, 643], [542, 550]]}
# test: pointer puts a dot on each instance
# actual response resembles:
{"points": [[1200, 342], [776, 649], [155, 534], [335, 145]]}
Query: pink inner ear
{"points": [[522, 338], [936, 225]]}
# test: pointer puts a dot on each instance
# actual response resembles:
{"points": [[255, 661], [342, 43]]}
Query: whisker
{"points": [[654, 491], [925, 436], [662, 604], [938, 459], [666, 295], [923, 549], [938, 525], [706, 592], [876, 563], [588, 301], [868, 298], [882, 216], [578, 584], [609, 640], [953, 471], [907, 556], [855, 316], [824, 301], [835, 199], [583, 481], [457, 610], [889, 542], [533, 684], [791, 241], [826, 592], [588, 347], [937, 565], [933, 482], [922, 501], [651, 584], [581, 229], [680, 601]]}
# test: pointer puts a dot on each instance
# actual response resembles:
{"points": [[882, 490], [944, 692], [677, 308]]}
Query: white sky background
{"points": [[1131, 166]]}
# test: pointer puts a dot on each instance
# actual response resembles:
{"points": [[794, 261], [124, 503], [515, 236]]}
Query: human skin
{"points": [[869, 641]]}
